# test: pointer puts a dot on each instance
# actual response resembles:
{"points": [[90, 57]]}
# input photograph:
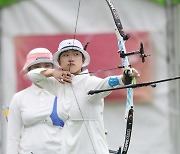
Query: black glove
{"points": [[128, 76]]}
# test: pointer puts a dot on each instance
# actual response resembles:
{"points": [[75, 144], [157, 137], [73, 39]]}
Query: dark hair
{"points": [[74, 50]]}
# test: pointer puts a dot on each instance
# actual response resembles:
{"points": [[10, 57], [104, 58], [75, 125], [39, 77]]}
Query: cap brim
{"points": [[26, 66], [86, 55]]}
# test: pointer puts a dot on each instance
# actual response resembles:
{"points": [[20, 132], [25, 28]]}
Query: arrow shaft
{"points": [[134, 85]]}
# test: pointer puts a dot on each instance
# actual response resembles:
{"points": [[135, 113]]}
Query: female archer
{"points": [[82, 113]]}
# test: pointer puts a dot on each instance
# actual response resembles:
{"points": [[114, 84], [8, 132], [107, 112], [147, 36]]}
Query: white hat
{"points": [[71, 44], [36, 56]]}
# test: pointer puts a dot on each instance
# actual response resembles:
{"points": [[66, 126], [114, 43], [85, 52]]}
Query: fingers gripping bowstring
{"points": [[74, 37]]}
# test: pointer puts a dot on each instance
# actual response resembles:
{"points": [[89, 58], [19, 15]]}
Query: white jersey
{"points": [[84, 131], [29, 130]]}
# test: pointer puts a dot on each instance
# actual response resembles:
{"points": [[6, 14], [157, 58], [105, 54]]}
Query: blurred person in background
{"points": [[34, 126], [84, 131]]}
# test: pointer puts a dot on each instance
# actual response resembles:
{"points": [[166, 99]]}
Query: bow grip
{"points": [[128, 76]]}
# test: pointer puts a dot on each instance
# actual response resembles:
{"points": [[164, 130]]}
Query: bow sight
{"points": [[140, 51]]}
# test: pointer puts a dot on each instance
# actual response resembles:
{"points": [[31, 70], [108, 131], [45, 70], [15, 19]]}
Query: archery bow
{"points": [[122, 37], [122, 50]]}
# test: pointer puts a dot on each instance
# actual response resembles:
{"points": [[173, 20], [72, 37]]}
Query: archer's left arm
{"points": [[95, 83], [110, 82]]}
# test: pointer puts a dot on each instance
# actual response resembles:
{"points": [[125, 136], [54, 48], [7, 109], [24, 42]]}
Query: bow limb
{"points": [[121, 38]]}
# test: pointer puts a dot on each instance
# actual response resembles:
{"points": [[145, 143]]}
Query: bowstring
{"points": [[77, 17], [75, 32]]}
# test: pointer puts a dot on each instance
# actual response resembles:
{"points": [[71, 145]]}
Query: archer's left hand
{"points": [[129, 74]]}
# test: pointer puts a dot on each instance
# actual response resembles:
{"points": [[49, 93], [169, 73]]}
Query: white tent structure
{"points": [[156, 123]]}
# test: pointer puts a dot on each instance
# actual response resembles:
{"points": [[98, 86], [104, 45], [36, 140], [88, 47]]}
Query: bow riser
{"points": [[129, 100], [125, 61], [122, 49]]}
